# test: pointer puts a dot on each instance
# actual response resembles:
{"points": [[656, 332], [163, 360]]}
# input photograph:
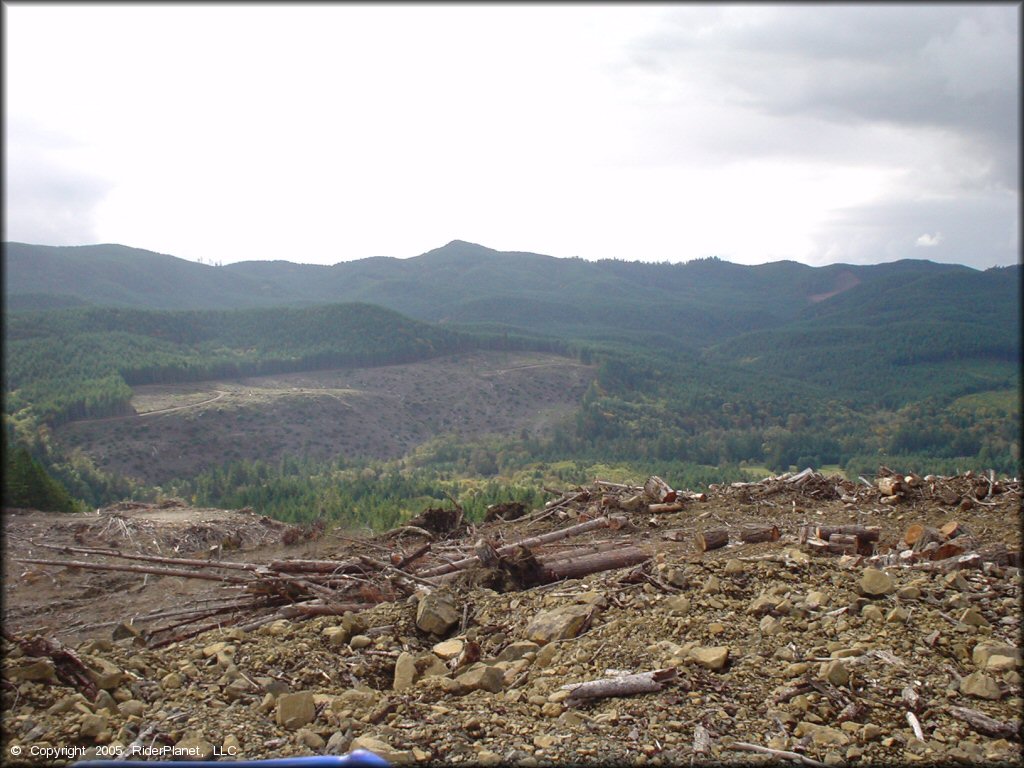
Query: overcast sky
{"points": [[322, 133]]}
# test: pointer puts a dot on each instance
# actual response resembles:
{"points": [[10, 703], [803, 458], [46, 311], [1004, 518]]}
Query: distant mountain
{"points": [[693, 305]]}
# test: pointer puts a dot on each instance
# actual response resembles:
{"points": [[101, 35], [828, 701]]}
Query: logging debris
{"points": [[778, 651]]}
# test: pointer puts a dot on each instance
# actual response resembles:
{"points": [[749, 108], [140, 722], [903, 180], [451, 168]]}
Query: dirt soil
{"points": [[771, 652]]}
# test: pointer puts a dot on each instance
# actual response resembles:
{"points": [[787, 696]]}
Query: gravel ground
{"points": [[773, 654]]}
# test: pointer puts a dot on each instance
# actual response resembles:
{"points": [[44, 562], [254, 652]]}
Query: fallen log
{"points": [[916, 531], [204, 563], [863, 533], [842, 543], [713, 538], [577, 567], [612, 522], [623, 685], [814, 544], [952, 529], [673, 506], [957, 546], [750, 534], [616, 486], [317, 608], [188, 574], [891, 486], [800, 477], [314, 566], [658, 490]]}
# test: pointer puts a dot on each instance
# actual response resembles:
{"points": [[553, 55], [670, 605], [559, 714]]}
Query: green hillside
{"points": [[692, 304]]}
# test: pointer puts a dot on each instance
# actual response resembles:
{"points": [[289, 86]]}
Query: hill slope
{"points": [[688, 305]]}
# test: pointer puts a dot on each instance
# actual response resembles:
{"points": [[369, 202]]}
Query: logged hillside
{"points": [[76, 363], [379, 412]]}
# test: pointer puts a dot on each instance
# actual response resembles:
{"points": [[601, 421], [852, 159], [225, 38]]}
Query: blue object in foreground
{"points": [[356, 759]]}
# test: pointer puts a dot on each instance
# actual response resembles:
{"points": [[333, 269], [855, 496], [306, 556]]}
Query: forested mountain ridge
{"points": [[695, 303]]}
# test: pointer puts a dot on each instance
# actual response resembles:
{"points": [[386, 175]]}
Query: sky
{"points": [[321, 133]]}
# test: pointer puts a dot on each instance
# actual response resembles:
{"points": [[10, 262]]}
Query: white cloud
{"points": [[929, 241], [329, 132]]}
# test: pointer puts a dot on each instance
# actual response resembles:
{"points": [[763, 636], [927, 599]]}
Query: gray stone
{"points": [[491, 679], [125, 631], [710, 657], [171, 681], [834, 672], [32, 670], [92, 726], [295, 710], [516, 651], [980, 686], [437, 613], [972, 617], [339, 743], [875, 583], [195, 748], [983, 651], [559, 624], [381, 748], [405, 671], [312, 740]]}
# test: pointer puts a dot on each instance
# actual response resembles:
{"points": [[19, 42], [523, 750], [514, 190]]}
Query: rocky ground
{"points": [[763, 652]]}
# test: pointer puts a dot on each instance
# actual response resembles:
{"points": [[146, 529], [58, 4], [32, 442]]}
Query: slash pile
{"points": [[601, 629]]}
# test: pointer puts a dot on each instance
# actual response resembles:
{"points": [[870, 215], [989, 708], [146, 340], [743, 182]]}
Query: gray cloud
{"points": [[50, 199], [982, 231], [947, 68]]}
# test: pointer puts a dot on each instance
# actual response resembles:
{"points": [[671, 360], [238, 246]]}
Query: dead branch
{"points": [[150, 558], [69, 669], [623, 685], [188, 574], [989, 726], [775, 753]]}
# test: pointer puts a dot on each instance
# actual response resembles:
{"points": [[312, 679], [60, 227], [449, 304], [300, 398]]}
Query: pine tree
{"points": [[27, 484]]}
